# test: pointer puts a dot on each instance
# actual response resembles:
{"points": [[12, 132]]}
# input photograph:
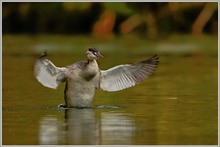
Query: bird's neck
{"points": [[92, 66], [91, 61]]}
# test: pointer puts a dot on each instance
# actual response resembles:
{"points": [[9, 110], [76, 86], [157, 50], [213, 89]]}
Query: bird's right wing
{"points": [[48, 74]]}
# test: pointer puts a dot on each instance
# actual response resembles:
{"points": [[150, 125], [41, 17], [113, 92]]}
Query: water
{"points": [[178, 105]]}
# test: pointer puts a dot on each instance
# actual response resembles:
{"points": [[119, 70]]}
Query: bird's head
{"points": [[93, 53]]}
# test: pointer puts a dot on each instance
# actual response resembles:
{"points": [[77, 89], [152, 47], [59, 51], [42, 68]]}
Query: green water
{"points": [[178, 105]]}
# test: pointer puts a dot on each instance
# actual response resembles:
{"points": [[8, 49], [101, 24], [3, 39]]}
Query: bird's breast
{"points": [[88, 76], [91, 71]]}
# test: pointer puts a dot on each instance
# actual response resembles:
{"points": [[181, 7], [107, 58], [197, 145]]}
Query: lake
{"points": [[177, 105]]}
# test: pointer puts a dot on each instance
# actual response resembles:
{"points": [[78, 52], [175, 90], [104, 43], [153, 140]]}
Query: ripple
{"points": [[61, 106], [108, 107]]}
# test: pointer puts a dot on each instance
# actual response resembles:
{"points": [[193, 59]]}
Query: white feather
{"points": [[125, 76], [48, 74]]}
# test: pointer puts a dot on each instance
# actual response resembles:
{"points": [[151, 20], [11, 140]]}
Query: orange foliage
{"points": [[104, 26]]}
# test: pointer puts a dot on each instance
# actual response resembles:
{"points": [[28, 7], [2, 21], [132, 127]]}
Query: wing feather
{"points": [[48, 74], [127, 75]]}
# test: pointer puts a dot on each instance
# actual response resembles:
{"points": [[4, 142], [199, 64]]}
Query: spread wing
{"points": [[124, 76], [48, 74]]}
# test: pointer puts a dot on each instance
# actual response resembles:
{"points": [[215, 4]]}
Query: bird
{"points": [[83, 77]]}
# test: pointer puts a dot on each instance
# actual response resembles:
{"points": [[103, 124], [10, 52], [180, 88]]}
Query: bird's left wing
{"points": [[124, 76], [48, 74]]}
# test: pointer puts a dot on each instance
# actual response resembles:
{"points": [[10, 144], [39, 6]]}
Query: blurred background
{"points": [[177, 105], [151, 20]]}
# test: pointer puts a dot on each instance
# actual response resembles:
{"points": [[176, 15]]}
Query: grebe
{"points": [[82, 78]]}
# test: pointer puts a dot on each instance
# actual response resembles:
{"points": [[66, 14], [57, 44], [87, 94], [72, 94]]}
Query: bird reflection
{"points": [[89, 127], [81, 126], [117, 128], [50, 130]]}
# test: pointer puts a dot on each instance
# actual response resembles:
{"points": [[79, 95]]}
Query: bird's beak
{"points": [[100, 55]]}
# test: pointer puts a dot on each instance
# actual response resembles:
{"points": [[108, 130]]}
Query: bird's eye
{"points": [[95, 53]]}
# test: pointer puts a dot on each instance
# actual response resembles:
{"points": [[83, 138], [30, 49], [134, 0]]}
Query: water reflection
{"points": [[117, 128], [88, 127], [81, 127], [49, 130]]}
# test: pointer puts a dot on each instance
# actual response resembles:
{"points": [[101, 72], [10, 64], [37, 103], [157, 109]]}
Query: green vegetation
{"points": [[107, 19]]}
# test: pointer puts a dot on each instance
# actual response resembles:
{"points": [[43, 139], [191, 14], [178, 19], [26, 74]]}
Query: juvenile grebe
{"points": [[82, 78]]}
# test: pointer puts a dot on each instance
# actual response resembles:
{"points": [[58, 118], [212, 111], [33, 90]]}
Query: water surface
{"points": [[178, 105]]}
